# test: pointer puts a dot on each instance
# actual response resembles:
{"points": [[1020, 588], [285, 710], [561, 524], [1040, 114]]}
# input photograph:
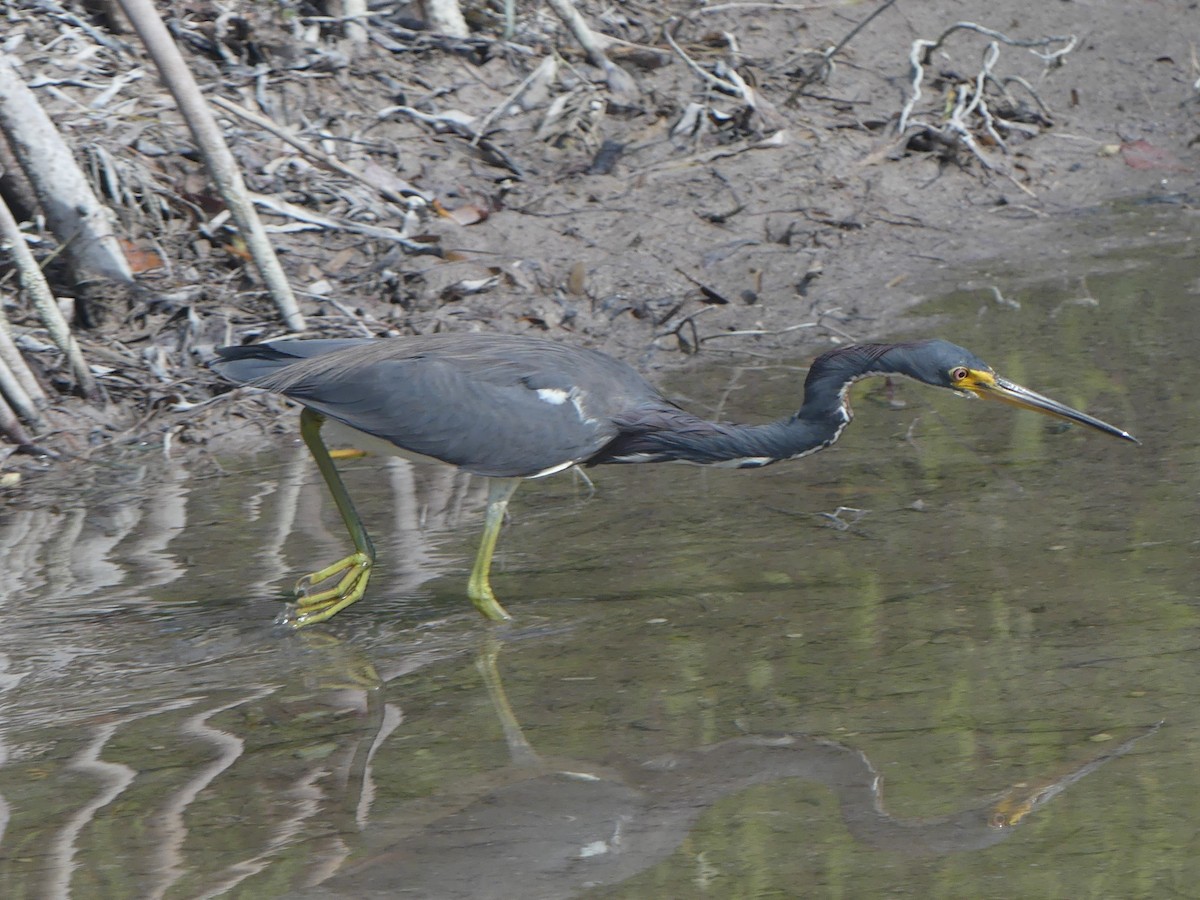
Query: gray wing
{"points": [[490, 405], [254, 362]]}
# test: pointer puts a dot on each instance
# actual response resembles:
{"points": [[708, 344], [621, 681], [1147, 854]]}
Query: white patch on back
{"points": [[557, 397], [595, 848], [577, 398]]}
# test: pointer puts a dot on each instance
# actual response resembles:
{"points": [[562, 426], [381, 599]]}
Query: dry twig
{"points": [[546, 71], [822, 70], [923, 49], [732, 84], [972, 110]]}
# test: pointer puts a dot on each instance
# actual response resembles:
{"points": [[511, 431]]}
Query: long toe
{"points": [[312, 607]]}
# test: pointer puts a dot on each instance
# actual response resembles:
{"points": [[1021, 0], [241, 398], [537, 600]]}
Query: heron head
{"points": [[943, 364]]}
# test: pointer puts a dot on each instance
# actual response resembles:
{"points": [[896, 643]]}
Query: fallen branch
{"points": [[33, 283], [30, 393], [778, 139], [767, 7], [355, 13], [12, 429], [688, 321], [759, 332], [14, 393], [222, 167], [725, 87], [378, 232], [445, 17], [619, 81], [403, 194], [462, 129], [82, 224]]}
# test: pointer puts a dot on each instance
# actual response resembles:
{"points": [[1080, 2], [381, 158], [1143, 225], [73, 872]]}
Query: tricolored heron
{"points": [[513, 407]]}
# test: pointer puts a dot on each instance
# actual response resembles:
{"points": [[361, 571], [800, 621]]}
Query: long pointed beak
{"points": [[993, 387]]}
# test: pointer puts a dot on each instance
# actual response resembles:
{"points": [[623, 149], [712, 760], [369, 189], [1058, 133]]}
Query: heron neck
{"points": [[789, 438], [827, 387], [686, 438]]}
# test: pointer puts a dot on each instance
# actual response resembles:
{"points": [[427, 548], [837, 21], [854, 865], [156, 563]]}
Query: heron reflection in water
{"points": [[561, 827]]}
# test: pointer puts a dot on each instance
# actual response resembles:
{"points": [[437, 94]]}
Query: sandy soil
{"points": [[744, 201]]}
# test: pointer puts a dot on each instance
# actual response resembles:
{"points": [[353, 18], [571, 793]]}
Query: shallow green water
{"points": [[754, 699]]}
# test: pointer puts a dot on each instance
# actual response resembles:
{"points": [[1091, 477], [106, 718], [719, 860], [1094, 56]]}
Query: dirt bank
{"points": [[750, 193]]}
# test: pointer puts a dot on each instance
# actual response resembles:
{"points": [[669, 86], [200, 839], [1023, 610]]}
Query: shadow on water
{"points": [[712, 674]]}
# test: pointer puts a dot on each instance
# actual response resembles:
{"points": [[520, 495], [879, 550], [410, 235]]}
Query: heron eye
{"points": [[958, 374]]}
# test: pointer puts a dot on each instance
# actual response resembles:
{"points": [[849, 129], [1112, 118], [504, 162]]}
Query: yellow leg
{"points": [[354, 571], [478, 588]]}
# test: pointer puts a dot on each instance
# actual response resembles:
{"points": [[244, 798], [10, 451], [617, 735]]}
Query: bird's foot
{"points": [[485, 601], [352, 573]]}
